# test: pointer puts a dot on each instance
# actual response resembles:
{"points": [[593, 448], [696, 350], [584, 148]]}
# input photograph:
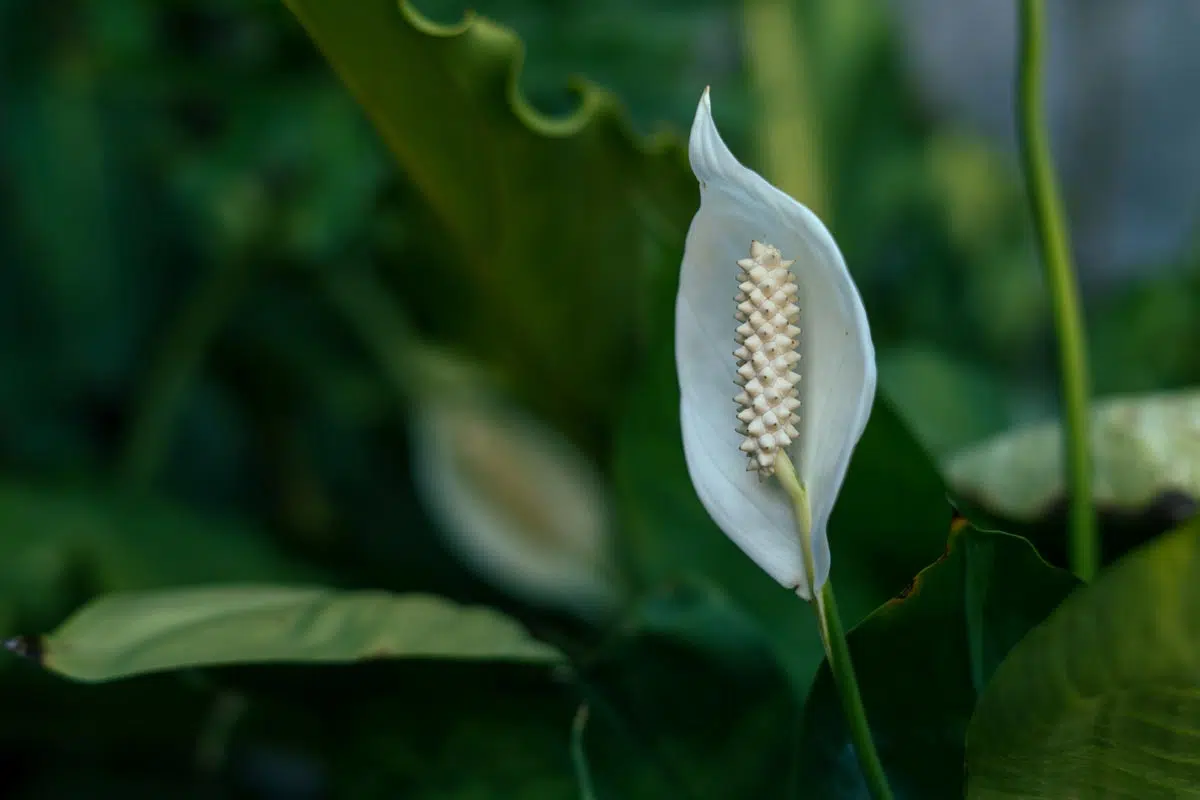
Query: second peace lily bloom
{"points": [[774, 355]]}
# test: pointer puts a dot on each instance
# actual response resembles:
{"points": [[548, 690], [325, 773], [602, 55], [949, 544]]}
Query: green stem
{"points": [[780, 70], [583, 773], [833, 637], [1064, 291], [852, 705], [175, 366]]}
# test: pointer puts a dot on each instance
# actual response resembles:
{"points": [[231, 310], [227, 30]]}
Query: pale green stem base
{"points": [[833, 636]]}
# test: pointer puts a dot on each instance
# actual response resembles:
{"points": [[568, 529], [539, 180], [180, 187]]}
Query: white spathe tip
{"points": [[830, 361]]}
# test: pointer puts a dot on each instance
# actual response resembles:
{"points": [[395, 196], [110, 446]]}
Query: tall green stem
{"points": [[833, 636], [780, 68], [1064, 291]]}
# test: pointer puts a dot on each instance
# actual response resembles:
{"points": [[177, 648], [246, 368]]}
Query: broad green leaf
{"points": [[947, 401], [921, 661], [554, 224], [1103, 699], [120, 635], [1144, 452], [889, 522]]}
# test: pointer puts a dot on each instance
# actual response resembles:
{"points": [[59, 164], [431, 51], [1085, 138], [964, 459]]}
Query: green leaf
{"points": [[121, 635], [947, 401], [889, 522], [921, 661], [1103, 699], [555, 224], [1143, 451]]}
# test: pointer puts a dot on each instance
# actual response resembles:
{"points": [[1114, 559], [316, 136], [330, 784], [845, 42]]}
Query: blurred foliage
{"points": [[184, 400]]}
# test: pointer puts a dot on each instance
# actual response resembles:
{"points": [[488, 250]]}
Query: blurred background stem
{"points": [[583, 773], [789, 139], [1084, 556], [379, 325], [175, 364]]}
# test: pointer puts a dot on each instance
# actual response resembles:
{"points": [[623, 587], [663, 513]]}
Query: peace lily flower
{"points": [[774, 357], [516, 502]]}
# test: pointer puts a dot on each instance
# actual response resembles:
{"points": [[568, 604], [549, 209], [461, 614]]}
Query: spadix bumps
{"points": [[766, 338], [762, 279]]}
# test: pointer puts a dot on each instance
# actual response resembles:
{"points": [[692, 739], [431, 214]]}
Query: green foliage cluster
{"points": [[217, 328]]}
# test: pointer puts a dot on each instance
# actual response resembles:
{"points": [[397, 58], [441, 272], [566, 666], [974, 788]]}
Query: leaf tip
{"points": [[29, 647]]}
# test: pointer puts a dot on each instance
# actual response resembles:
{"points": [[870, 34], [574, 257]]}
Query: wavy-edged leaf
{"points": [[921, 661], [121, 635], [554, 223], [1102, 699]]}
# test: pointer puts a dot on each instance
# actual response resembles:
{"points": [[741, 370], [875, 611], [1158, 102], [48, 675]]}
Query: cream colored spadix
{"points": [[774, 355]]}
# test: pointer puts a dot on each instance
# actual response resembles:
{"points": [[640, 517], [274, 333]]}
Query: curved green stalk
{"points": [[1064, 292], [583, 773], [174, 368], [833, 636]]}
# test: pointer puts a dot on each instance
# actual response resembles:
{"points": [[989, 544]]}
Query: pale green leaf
{"points": [[120, 635], [1143, 446], [1103, 699]]}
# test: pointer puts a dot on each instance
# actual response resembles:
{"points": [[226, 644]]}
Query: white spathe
{"points": [[836, 367]]}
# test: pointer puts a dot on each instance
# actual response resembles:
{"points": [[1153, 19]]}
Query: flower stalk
{"points": [[761, 275], [833, 637], [1055, 247]]}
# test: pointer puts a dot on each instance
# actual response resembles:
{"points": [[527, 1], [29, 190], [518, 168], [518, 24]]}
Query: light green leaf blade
{"points": [[121, 635], [554, 224], [1102, 699]]}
